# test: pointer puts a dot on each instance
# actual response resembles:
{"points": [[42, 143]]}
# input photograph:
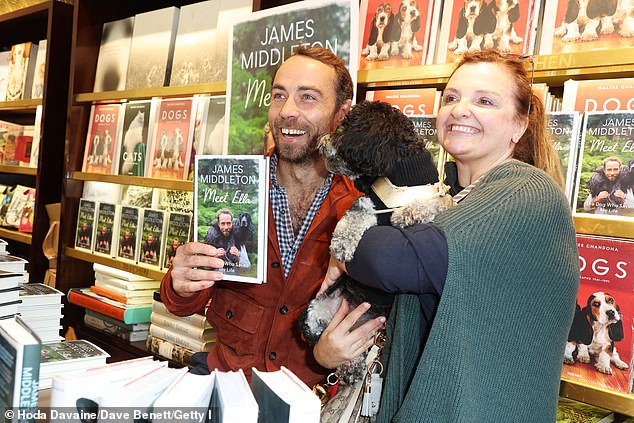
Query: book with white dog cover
{"points": [[102, 139], [604, 315]]}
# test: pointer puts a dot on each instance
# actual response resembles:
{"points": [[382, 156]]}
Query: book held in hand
{"points": [[230, 212]]}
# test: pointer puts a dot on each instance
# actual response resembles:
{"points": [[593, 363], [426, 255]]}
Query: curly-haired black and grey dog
{"points": [[379, 149]]}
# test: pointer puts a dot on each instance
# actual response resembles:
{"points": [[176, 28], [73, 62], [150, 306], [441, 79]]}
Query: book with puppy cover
{"points": [[102, 140], [152, 237], [564, 130], [172, 141], [394, 33], [410, 101], [481, 25], [230, 212], [177, 234], [129, 232], [604, 315], [598, 95], [86, 216], [605, 166], [566, 29], [106, 229]]}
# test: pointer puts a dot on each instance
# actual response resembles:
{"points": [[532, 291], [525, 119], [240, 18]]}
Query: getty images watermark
{"points": [[110, 415]]}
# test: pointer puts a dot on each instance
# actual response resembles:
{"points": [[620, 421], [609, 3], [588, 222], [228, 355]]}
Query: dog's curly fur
{"points": [[374, 140]]}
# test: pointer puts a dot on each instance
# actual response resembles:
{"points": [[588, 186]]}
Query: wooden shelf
{"points": [[214, 88], [14, 235], [604, 225], [20, 105], [553, 68], [137, 269], [172, 184], [18, 170], [615, 401]]}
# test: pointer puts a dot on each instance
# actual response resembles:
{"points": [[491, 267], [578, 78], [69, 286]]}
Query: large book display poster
{"points": [[606, 268], [564, 133], [582, 34], [239, 185], [383, 24], [102, 139], [606, 136], [261, 42]]}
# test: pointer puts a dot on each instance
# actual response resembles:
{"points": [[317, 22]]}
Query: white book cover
{"points": [[114, 54], [195, 44], [210, 124], [152, 48], [39, 73], [101, 269], [230, 212], [230, 12], [259, 44], [21, 54], [5, 59], [37, 131], [189, 390], [232, 400]]}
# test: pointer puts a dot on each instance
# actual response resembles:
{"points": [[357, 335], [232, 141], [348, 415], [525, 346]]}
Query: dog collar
{"points": [[394, 196]]}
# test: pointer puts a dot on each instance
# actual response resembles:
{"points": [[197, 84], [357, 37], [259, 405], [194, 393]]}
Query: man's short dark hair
{"points": [[223, 211], [612, 159], [344, 87]]}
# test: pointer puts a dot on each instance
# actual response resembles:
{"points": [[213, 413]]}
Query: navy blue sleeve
{"points": [[411, 260]]}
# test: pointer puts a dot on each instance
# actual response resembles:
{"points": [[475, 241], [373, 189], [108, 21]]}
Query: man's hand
{"points": [[187, 278], [234, 252], [601, 197], [339, 344], [336, 268]]}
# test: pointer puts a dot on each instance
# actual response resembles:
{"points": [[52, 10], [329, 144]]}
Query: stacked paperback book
{"points": [[68, 356], [41, 309]]}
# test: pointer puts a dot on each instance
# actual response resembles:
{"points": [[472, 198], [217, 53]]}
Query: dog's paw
{"points": [[568, 359], [420, 211], [620, 364], [583, 358], [351, 228], [605, 369]]}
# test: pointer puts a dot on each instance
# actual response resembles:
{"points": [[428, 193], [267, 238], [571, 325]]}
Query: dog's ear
{"points": [[572, 11], [485, 22], [615, 330], [374, 33], [514, 13], [580, 330], [416, 24], [462, 25], [601, 8]]}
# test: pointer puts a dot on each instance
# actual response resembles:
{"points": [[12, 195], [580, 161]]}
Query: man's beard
{"points": [[293, 153]]}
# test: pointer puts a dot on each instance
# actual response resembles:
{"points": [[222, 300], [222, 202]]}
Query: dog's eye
{"points": [[609, 300], [596, 304]]}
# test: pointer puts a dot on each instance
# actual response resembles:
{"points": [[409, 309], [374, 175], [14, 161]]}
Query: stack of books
{"points": [[178, 338], [69, 356], [9, 293], [41, 309]]}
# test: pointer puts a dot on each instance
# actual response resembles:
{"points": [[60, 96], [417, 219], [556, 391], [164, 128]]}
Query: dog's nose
{"points": [[472, 9], [610, 314]]}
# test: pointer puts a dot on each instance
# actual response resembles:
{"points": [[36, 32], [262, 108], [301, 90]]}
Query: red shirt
{"points": [[256, 324]]}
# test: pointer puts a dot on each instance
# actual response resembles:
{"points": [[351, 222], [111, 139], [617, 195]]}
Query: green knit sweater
{"points": [[496, 346]]}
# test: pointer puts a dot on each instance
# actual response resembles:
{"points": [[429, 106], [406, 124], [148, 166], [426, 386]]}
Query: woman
{"points": [[504, 259]]}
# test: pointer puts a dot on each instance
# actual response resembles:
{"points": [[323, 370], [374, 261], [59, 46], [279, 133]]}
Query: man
{"points": [[85, 235], [255, 324], [220, 236], [171, 251], [103, 240], [606, 193], [128, 244], [150, 249]]}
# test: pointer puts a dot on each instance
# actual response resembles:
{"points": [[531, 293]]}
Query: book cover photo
{"points": [[230, 197], [137, 119], [129, 227], [177, 234], [85, 224], [114, 53], [411, 101], [152, 231], [605, 175], [101, 141], [105, 232]]}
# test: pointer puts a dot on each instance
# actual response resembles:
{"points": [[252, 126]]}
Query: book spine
{"points": [[29, 377], [83, 300], [179, 326], [185, 341], [197, 320], [133, 327], [108, 294], [169, 350], [113, 329]]}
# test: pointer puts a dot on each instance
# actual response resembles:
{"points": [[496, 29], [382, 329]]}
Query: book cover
{"points": [[600, 354], [177, 234], [568, 29], [502, 26], [230, 12], [118, 331], [189, 390], [13, 264], [425, 127], [106, 230], [232, 399], [85, 224], [102, 140], [5, 60], [135, 327], [129, 232], [19, 367], [28, 213], [127, 285], [598, 95], [9, 133], [195, 44], [137, 196], [261, 41], [152, 237], [169, 350], [114, 54], [411, 101], [38, 294], [23, 146], [210, 124], [151, 48], [564, 130], [84, 297], [395, 34], [172, 200], [18, 69], [137, 124], [172, 141], [39, 73], [603, 184], [16, 206], [571, 411], [37, 130], [136, 297], [230, 205], [69, 352]]}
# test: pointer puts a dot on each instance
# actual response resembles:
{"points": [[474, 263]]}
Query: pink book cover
{"points": [[412, 102], [395, 33], [172, 141], [101, 140], [28, 213], [599, 350], [483, 25]]}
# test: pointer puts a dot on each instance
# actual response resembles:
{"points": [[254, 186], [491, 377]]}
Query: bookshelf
{"points": [[50, 20]]}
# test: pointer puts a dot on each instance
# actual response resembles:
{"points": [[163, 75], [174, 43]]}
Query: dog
{"points": [[506, 13], [624, 17], [594, 330], [587, 15], [408, 19], [476, 23], [383, 34], [376, 142]]}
